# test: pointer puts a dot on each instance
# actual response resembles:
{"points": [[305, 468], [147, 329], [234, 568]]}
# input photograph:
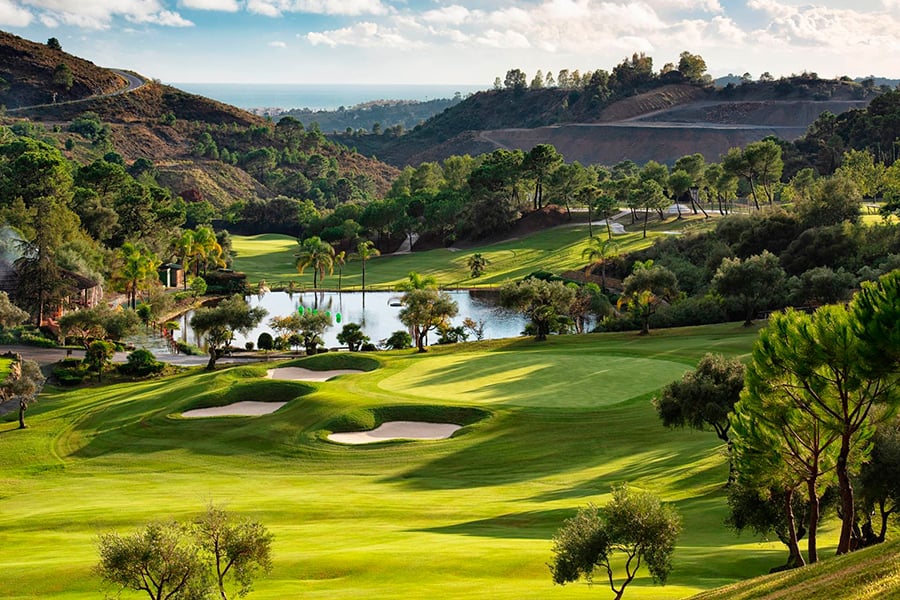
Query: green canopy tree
{"points": [[704, 397], [546, 304], [540, 162], [634, 524], [240, 549], [22, 385], [98, 355], [819, 363], [218, 324], [646, 289], [426, 310], [752, 284], [352, 335]]}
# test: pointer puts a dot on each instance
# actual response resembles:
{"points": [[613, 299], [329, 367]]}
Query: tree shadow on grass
{"points": [[525, 445], [677, 468], [528, 525]]}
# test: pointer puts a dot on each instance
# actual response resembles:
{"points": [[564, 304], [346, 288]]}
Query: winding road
{"points": [[133, 82]]}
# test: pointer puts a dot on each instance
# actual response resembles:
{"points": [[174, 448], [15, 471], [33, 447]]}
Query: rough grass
{"points": [[872, 573], [270, 257], [468, 517]]}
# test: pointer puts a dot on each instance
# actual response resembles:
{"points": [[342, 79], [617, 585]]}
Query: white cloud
{"points": [[826, 28], [14, 16], [365, 35], [448, 15], [222, 5], [275, 8], [503, 39], [99, 14], [277, 44]]}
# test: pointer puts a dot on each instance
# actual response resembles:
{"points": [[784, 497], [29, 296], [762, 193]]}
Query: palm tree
{"points": [[417, 281], [340, 259], [316, 254], [598, 252], [364, 251], [183, 248], [137, 267], [477, 264]]}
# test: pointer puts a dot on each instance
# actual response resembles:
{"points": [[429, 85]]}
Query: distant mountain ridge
{"points": [[165, 125]]}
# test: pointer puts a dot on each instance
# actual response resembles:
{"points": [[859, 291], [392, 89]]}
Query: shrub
{"points": [[141, 363], [189, 349], [398, 340]]}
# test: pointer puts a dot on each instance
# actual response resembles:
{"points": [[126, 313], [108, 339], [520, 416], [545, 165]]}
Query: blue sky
{"points": [[458, 42]]}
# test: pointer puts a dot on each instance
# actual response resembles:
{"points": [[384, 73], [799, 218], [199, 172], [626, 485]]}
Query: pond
{"points": [[377, 312]]}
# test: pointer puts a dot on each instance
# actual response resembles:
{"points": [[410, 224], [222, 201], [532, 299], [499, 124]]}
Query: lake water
{"points": [[378, 317], [318, 96]]}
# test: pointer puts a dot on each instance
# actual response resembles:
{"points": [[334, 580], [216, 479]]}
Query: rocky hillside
{"points": [[27, 71]]}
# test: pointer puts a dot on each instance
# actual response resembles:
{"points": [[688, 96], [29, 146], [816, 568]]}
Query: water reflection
{"points": [[377, 313]]}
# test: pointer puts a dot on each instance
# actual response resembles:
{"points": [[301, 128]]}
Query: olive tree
{"points": [[546, 304], [23, 384], [426, 310], [218, 324], [218, 554], [159, 560], [635, 524]]}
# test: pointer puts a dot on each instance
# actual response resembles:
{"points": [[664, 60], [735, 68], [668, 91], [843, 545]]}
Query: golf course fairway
{"points": [[546, 427]]}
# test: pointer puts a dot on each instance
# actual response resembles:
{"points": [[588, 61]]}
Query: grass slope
{"points": [[469, 517], [869, 574], [270, 257]]}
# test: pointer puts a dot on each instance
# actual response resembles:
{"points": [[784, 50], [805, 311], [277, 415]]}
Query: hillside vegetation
{"points": [[27, 74], [662, 123]]}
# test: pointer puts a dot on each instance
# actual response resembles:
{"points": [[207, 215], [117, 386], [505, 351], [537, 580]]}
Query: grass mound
{"points": [[265, 390], [333, 361], [871, 573], [366, 419]]}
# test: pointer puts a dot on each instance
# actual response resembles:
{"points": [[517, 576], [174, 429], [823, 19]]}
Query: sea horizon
{"points": [[319, 96]]}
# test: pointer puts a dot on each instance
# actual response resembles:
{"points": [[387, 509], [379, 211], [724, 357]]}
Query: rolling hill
{"points": [[661, 124]]}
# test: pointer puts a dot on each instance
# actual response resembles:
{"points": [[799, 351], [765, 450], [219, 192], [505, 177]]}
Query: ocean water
{"points": [[318, 96]]}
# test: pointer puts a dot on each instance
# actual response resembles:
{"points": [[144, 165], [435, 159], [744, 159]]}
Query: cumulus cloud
{"points": [[448, 15], [275, 8], [826, 27], [99, 14], [365, 35], [222, 5], [14, 16]]}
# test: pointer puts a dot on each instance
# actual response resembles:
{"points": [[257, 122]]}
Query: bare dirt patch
{"points": [[300, 374], [238, 409], [397, 430]]}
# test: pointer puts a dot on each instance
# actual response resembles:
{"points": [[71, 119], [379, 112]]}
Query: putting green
{"points": [[562, 380]]}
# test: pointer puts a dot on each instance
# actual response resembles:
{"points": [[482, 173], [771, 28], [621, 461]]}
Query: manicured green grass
{"points": [[468, 517], [270, 257], [5, 366]]}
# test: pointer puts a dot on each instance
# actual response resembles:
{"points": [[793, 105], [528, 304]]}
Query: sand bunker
{"points": [[238, 409], [299, 374], [397, 430]]}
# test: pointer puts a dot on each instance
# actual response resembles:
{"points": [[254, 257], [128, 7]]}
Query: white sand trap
{"points": [[238, 409], [298, 374], [397, 430]]}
